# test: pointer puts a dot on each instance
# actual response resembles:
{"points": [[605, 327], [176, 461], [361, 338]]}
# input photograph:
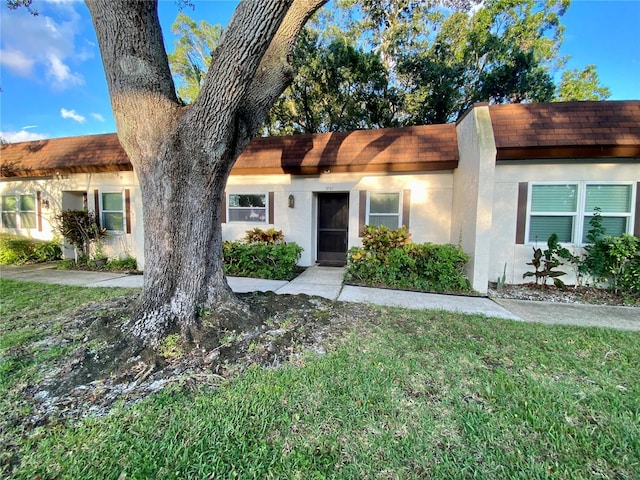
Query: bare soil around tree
{"points": [[107, 367]]}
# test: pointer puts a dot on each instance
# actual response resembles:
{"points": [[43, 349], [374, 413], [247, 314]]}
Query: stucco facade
{"points": [[469, 184]]}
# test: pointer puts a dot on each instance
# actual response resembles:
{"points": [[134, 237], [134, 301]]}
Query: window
{"points": [[553, 210], [247, 207], [18, 211], [384, 209], [112, 212], [565, 209], [614, 202]]}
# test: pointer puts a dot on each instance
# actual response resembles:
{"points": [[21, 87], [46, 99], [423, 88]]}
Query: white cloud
{"points": [[61, 73], [98, 117], [16, 61], [21, 136], [44, 46], [72, 115]]}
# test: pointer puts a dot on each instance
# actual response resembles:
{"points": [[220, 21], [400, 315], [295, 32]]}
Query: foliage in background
{"points": [[80, 228], [191, 57], [387, 63], [125, 263], [545, 263], [579, 85], [505, 52], [263, 254], [16, 250], [388, 259], [338, 87]]}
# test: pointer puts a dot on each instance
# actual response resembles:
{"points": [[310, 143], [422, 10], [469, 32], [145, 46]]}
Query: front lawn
{"points": [[404, 394]]}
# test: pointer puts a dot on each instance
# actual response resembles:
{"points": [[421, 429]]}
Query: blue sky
{"points": [[53, 84]]}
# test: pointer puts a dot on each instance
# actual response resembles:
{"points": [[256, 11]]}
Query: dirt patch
{"points": [[569, 294], [105, 367]]}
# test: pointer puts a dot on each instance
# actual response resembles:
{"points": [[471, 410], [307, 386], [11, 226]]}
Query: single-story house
{"points": [[498, 182]]}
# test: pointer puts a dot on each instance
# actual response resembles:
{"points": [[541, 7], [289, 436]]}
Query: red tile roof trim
{"points": [[86, 154]]}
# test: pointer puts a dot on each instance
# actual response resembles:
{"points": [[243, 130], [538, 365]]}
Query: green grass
{"points": [[31, 315], [421, 395]]}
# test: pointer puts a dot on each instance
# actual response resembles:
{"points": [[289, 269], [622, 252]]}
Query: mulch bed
{"points": [[569, 294]]}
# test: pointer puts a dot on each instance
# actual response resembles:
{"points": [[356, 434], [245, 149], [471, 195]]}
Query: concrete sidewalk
{"points": [[327, 282]]}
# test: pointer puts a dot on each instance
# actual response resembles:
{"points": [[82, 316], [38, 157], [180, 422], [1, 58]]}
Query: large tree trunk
{"points": [[183, 155], [183, 244]]}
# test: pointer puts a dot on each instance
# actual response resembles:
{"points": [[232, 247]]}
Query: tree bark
{"points": [[183, 155]]}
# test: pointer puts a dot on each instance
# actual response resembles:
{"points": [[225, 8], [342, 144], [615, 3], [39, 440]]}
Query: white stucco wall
{"points": [[473, 183], [430, 213], [52, 188], [504, 250]]}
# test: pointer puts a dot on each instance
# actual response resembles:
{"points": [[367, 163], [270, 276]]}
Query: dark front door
{"points": [[333, 228]]}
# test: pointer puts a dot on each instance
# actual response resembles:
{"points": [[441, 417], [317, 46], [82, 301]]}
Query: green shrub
{"points": [[80, 228], [126, 263], [593, 264], [622, 263], [614, 261], [16, 250], [261, 260], [382, 239], [388, 259]]}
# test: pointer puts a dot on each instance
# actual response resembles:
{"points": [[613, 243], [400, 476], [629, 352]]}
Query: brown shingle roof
{"points": [[396, 149], [522, 131], [432, 147], [89, 153], [567, 130]]}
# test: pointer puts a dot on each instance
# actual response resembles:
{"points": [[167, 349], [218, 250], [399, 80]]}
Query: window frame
{"points": [[580, 214], [400, 206], [18, 211], [230, 208], [122, 212]]}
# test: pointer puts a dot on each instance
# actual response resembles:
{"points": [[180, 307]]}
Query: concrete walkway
{"points": [[327, 282]]}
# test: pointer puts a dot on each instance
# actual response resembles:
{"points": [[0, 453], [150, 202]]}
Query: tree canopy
{"points": [[581, 85], [381, 63], [191, 56]]}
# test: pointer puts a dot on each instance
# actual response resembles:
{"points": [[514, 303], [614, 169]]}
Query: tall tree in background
{"points": [[191, 56], [379, 63], [337, 87], [581, 85], [504, 52]]}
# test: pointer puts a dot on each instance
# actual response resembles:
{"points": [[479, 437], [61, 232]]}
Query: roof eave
{"points": [[568, 152]]}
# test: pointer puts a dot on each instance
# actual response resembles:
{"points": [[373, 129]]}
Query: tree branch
{"points": [[275, 72], [137, 70], [233, 66]]}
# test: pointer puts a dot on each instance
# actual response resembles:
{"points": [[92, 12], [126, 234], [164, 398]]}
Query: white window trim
{"points": [[580, 213], [400, 206], [18, 220], [266, 208], [123, 211]]}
